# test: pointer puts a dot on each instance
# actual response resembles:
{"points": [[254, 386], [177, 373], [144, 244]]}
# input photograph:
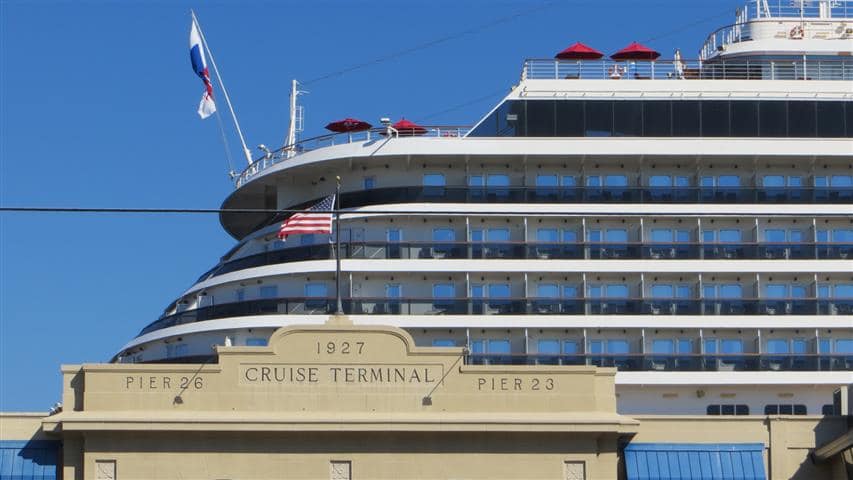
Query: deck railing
{"points": [[756, 69], [687, 362], [366, 136], [510, 306], [542, 251]]}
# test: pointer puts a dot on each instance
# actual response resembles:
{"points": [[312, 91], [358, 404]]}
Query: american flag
{"points": [[310, 221]]}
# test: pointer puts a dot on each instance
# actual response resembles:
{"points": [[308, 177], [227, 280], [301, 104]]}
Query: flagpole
{"points": [[222, 85], [339, 310]]}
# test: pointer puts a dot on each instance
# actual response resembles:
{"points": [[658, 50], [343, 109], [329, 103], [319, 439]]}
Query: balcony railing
{"points": [[677, 362], [510, 306], [365, 137], [532, 194], [740, 69], [541, 251]]}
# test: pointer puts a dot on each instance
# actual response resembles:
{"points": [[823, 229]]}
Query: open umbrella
{"points": [[579, 51], [635, 51], [348, 125], [407, 128]]}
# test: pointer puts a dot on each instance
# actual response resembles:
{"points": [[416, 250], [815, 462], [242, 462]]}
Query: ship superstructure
{"points": [[689, 222]]}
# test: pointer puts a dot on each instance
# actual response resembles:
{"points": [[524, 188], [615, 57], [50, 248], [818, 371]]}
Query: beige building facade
{"points": [[339, 401]]}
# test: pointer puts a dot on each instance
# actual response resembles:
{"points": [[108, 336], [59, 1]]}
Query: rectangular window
{"points": [[570, 347], [616, 235], [393, 290], [547, 181], [774, 181], [240, 294], [660, 181], [731, 346], [772, 119], [443, 342], [316, 290], [731, 290], [616, 291], [499, 290], [662, 291], [657, 119], [615, 181], [744, 118], [569, 181], [499, 346], [269, 291], [776, 291], [547, 235], [593, 181], [663, 347], [443, 235], [570, 236], [730, 236], [715, 118], [628, 118], [476, 181], [369, 183], [256, 342], [434, 180], [497, 180], [547, 290], [570, 118], [777, 345], [443, 290], [617, 346], [802, 119], [570, 291], [540, 118], [728, 181], [548, 346], [599, 119], [497, 235], [661, 235], [394, 235], [685, 118]]}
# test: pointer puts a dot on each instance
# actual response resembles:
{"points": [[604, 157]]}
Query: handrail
{"points": [[288, 151], [807, 68]]}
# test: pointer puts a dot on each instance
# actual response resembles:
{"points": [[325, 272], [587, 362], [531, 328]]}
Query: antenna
{"points": [[297, 120]]}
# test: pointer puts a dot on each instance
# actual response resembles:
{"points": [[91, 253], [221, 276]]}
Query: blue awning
{"points": [[695, 461], [28, 460]]}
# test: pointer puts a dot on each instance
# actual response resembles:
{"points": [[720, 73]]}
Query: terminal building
{"points": [[628, 268]]}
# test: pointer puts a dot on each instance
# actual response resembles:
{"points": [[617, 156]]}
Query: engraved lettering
{"points": [[127, 382], [265, 374]]}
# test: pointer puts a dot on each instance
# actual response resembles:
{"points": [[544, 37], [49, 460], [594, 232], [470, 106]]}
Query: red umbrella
{"points": [[407, 128], [348, 125], [635, 51], [579, 51]]}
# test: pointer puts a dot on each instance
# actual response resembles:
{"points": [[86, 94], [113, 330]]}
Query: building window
{"points": [[827, 409], [728, 409], [574, 470], [369, 183], [444, 342], [105, 470], [340, 470], [785, 409], [256, 342]]}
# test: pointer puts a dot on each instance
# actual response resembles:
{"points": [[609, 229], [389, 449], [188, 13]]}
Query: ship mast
{"points": [[296, 118]]}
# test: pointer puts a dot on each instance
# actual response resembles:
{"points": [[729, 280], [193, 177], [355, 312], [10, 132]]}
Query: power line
{"points": [[432, 43], [366, 212]]}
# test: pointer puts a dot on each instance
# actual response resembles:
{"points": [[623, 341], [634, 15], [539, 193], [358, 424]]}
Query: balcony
{"points": [[542, 251], [747, 362], [510, 306]]}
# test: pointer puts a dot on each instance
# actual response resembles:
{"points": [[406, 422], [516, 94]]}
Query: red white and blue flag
{"points": [[207, 106], [317, 219]]}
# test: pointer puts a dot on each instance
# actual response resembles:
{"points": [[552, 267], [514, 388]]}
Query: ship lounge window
{"points": [[785, 409], [369, 183], [256, 342], [444, 342], [434, 180], [669, 118], [728, 409], [316, 290], [269, 291], [549, 346]]}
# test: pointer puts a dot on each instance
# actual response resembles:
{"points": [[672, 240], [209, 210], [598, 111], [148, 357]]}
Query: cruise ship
{"points": [[688, 221]]}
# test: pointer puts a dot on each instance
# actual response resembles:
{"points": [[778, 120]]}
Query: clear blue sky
{"points": [[97, 109]]}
